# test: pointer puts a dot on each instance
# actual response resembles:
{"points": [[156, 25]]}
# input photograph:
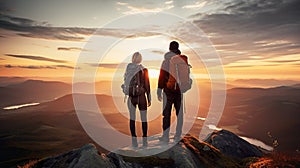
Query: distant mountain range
{"points": [[31, 91], [46, 129], [52, 127], [266, 114], [264, 83], [17, 90], [4, 81]]}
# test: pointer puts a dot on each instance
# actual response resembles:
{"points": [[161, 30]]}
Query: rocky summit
{"points": [[232, 145], [220, 149]]}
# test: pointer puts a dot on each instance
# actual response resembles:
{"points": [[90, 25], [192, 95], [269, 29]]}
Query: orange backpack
{"points": [[179, 70]]}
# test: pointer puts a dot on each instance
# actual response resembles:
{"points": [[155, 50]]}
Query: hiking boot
{"points": [[164, 139], [134, 142], [145, 142]]}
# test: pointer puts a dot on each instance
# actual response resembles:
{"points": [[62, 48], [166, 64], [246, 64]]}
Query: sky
{"points": [[248, 39]]}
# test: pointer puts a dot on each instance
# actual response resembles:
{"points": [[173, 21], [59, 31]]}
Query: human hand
{"points": [[159, 97], [159, 94], [149, 104]]}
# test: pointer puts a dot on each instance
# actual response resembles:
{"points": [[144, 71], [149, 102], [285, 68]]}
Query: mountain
{"points": [[100, 87], [31, 91], [17, 90], [50, 128], [53, 127], [271, 115], [5, 81], [264, 83], [189, 152], [296, 85]]}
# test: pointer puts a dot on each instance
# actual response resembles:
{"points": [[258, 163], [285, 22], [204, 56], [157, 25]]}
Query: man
{"points": [[171, 97]]}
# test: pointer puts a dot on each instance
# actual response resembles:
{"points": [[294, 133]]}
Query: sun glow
{"points": [[153, 73]]}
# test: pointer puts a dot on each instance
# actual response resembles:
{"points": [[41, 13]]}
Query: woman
{"points": [[138, 88]]}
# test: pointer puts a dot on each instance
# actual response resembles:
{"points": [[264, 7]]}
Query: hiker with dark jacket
{"points": [[169, 96], [137, 80]]}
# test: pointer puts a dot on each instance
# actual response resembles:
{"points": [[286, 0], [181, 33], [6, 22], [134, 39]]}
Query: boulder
{"points": [[86, 156], [232, 145]]}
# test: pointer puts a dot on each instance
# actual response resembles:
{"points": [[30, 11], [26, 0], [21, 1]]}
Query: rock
{"points": [[86, 156], [232, 145], [207, 155], [189, 152], [177, 156]]}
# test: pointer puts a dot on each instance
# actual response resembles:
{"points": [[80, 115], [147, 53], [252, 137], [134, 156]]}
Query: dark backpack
{"points": [[132, 84], [179, 70]]}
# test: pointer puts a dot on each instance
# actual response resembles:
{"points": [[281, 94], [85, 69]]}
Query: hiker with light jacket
{"points": [[137, 87]]}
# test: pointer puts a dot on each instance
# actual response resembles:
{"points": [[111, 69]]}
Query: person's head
{"points": [[174, 45], [136, 58]]}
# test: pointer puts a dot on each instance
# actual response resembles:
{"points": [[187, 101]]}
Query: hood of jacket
{"points": [[131, 70], [170, 54], [131, 67]]}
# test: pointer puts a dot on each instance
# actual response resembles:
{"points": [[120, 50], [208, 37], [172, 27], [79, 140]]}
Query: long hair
{"points": [[136, 58]]}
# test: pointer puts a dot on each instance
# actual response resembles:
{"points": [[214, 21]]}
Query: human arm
{"points": [[163, 77], [147, 86]]}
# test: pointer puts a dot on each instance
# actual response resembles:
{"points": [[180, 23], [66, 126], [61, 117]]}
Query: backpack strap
{"points": [[183, 102], [177, 74]]}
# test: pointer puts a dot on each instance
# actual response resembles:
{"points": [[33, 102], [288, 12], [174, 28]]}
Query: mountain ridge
{"points": [[31, 91], [217, 151], [189, 152]]}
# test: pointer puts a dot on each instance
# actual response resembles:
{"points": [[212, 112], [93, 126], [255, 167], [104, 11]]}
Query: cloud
{"points": [[139, 8], [197, 5], [29, 66], [66, 66], [169, 2], [128, 33], [39, 66], [160, 52], [38, 58], [108, 65], [52, 36], [70, 49], [252, 28], [284, 61], [30, 28], [122, 3], [123, 65], [239, 66], [297, 64]]}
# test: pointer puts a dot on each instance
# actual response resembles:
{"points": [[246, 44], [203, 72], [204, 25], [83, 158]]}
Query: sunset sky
{"points": [[255, 39]]}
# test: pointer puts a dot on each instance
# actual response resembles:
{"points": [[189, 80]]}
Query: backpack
{"points": [[179, 70], [132, 85]]}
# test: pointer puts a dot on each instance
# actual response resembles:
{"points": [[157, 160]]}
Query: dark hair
{"points": [[174, 45]]}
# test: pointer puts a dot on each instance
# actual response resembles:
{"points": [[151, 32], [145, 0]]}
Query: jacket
{"points": [[164, 72]]}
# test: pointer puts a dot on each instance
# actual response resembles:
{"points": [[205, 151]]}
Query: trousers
{"points": [[169, 100], [140, 102]]}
